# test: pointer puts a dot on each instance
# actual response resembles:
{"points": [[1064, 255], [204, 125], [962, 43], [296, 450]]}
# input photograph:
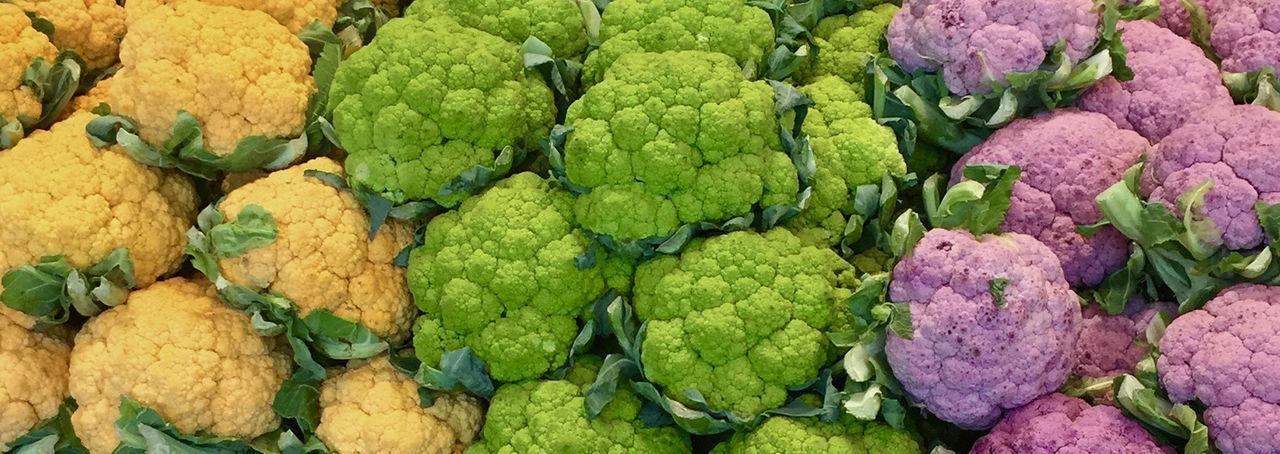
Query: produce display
{"points": [[639, 226]]}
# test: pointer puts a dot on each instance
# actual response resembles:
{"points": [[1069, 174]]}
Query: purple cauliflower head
{"points": [[1067, 159], [1227, 356], [1246, 34], [1236, 147], [1107, 344], [1056, 424], [1172, 81], [976, 42], [995, 324]]}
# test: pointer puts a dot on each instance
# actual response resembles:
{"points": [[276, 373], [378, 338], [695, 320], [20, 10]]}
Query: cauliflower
{"points": [[995, 324], [62, 196], [365, 406], [1224, 355], [498, 275], [1246, 34], [429, 100], [1107, 346], [177, 58], [293, 14], [730, 27], [1174, 17], [1173, 81], [845, 43], [739, 317], [850, 149], [549, 417], [33, 378], [21, 45], [1056, 423], [794, 435], [1233, 146], [322, 257], [176, 348], [674, 138], [558, 23], [92, 28]]}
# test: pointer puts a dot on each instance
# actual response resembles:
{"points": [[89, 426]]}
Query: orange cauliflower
{"points": [[33, 378], [92, 28], [178, 349], [294, 14], [321, 257], [373, 408], [19, 45]]}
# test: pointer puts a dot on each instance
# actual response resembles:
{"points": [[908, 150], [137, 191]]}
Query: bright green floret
{"points": [[498, 275], [850, 149], [559, 23], [739, 317], [730, 27], [783, 435], [428, 100], [845, 42], [549, 417], [674, 138]]}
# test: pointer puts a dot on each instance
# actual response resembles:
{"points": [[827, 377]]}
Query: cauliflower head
{"points": [[974, 43], [674, 138], [781, 434], [845, 42], [92, 28], [1056, 423], [550, 417], [1235, 146], [498, 275], [558, 23], [372, 408], [21, 45], [729, 27], [429, 100], [1246, 34], [179, 58], [322, 257], [1067, 159], [293, 14], [178, 349], [972, 357], [33, 378], [739, 317], [1225, 355], [62, 196], [1107, 346], [1173, 81], [850, 149]]}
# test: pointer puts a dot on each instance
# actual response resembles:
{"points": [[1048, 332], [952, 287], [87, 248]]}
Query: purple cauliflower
{"points": [[1246, 34], [1107, 344], [995, 324], [1236, 146], [1227, 356], [1175, 18], [1067, 158], [976, 42], [1172, 81], [1058, 424]]}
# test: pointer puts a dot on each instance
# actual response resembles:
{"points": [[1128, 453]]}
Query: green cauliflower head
{"points": [[428, 100], [559, 23], [498, 275], [729, 27], [674, 138], [847, 436], [845, 42], [739, 317], [549, 417]]}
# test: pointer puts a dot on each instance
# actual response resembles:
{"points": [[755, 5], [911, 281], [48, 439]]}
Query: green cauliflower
{"points": [[674, 138], [730, 27], [739, 317], [845, 42], [850, 149], [549, 417], [783, 435], [498, 275], [558, 23], [429, 100]]}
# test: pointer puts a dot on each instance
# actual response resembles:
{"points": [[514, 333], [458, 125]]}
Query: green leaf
{"points": [[615, 370], [459, 369], [299, 399], [900, 320], [978, 204], [142, 430], [53, 435], [185, 151], [1151, 408], [252, 228], [342, 339], [1200, 27], [997, 287], [561, 75], [52, 289], [360, 18], [53, 83], [1118, 288]]}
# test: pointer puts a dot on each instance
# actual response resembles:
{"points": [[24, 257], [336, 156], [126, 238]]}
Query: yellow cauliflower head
{"points": [[178, 349], [322, 257], [19, 45], [238, 72], [92, 28], [294, 14], [372, 408], [33, 378]]}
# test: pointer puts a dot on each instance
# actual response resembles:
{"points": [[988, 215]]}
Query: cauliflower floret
{"points": [[972, 357], [845, 42], [178, 349], [1107, 346], [322, 257], [92, 28], [179, 58], [293, 14], [33, 378], [1246, 34], [558, 23], [1056, 423], [781, 434], [19, 46], [362, 407], [1174, 17]]}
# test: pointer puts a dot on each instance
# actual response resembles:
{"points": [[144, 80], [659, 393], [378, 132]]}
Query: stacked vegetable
{"points": [[652, 226]]}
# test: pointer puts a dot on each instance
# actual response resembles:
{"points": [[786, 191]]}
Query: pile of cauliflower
{"points": [[639, 226]]}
